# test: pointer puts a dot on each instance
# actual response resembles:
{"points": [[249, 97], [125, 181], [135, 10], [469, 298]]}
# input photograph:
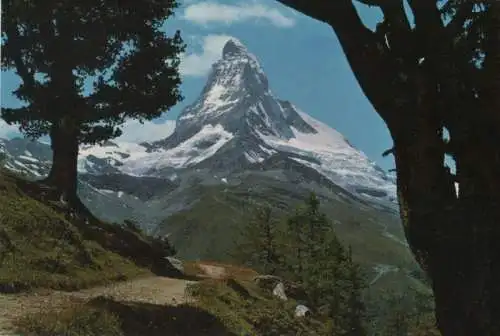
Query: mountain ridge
{"points": [[237, 121], [250, 146]]}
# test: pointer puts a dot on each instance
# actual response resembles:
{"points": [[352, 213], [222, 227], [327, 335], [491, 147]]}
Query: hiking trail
{"points": [[154, 290]]}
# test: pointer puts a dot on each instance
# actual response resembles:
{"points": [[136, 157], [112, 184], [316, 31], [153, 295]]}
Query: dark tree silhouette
{"points": [[60, 47], [442, 73]]}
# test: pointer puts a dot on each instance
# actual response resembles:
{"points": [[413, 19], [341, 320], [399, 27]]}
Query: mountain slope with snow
{"points": [[236, 147], [236, 125], [238, 122]]}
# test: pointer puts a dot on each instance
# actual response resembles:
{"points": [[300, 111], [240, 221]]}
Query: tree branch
{"points": [[456, 24], [374, 68], [401, 37], [492, 63], [316, 9], [430, 27], [376, 71], [377, 3], [389, 151], [14, 44]]}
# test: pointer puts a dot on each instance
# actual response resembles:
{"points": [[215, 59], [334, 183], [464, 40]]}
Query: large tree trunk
{"points": [[455, 238], [63, 173], [418, 85], [466, 279]]}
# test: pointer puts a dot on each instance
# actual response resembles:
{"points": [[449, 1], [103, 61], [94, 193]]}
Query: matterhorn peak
{"points": [[239, 69], [234, 47], [235, 83]]}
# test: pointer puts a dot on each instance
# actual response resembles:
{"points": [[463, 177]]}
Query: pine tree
{"points": [[58, 47], [258, 246], [316, 225], [306, 232], [356, 309], [295, 245], [325, 269], [309, 254], [398, 313]]}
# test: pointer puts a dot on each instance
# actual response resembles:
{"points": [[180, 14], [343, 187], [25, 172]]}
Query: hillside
{"points": [[81, 276], [208, 228], [43, 245], [49, 255]]}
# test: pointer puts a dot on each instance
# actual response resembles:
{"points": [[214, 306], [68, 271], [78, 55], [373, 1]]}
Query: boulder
{"points": [[302, 311], [279, 291], [267, 282]]}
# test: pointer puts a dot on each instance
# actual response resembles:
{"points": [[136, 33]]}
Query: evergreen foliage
{"points": [[59, 47], [259, 242], [408, 312], [307, 252], [56, 46]]}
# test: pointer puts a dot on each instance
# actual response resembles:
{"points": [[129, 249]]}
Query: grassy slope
{"points": [[244, 308], [39, 247], [209, 229]]}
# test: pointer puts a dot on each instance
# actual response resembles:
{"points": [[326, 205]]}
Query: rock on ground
{"points": [[279, 291], [302, 311]]}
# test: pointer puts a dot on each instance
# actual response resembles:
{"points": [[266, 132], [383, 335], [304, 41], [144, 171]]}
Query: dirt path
{"points": [[155, 290]]}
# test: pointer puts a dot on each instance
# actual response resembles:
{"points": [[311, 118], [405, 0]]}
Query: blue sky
{"points": [[301, 57]]}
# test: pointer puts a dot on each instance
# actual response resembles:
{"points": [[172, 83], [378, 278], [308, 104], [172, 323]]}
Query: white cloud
{"points": [[199, 64], [8, 131], [210, 12], [134, 131]]}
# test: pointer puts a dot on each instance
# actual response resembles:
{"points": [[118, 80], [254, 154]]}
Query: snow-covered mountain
{"points": [[237, 123], [237, 146], [33, 158]]}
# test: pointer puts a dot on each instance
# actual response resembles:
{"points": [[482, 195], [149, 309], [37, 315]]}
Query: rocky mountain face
{"points": [[235, 147], [237, 124]]}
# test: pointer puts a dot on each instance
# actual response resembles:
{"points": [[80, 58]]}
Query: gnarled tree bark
{"points": [[63, 173], [417, 85]]}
